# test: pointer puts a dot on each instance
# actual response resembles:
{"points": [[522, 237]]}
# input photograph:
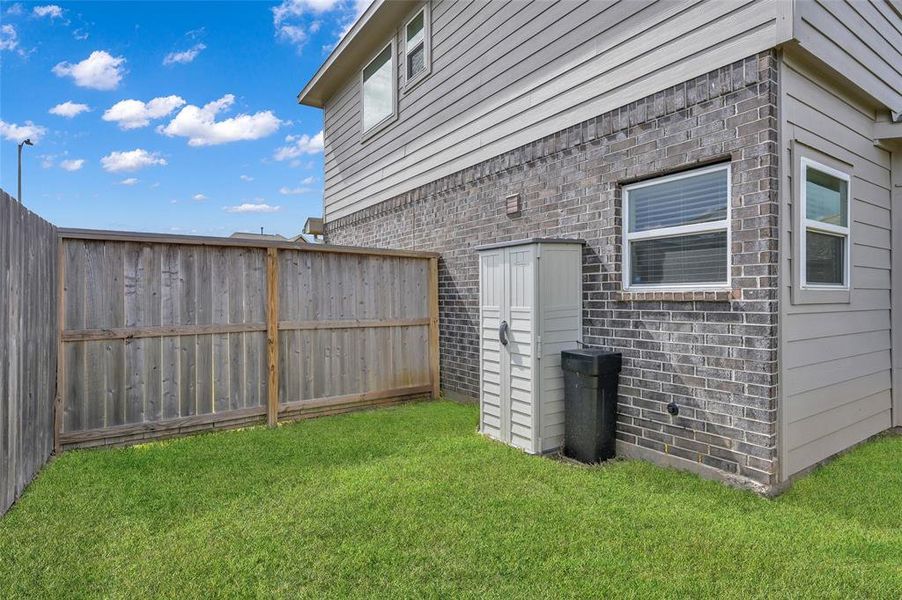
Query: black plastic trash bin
{"points": [[590, 403]]}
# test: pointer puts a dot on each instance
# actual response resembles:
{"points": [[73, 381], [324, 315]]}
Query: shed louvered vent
{"points": [[513, 205]]}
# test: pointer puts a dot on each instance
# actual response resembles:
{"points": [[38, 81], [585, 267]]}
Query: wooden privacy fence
{"points": [[28, 344], [162, 335]]}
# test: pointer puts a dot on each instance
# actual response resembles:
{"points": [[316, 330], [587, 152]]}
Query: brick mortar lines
{"points": [[714, 353]]}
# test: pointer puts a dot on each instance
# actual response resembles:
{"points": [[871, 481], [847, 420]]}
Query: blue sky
{"points": [[176, 117]]}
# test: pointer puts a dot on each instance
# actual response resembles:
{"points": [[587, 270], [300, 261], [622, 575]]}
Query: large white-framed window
{"points": [[824, 252], [378, 90], [676, 231], [417, 35]]}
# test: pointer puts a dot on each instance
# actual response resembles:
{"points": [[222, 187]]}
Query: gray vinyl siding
{"points": [[835, 358], [862, 39], [506, 73]]}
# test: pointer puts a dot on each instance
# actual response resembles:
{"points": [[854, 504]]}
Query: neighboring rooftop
{"points": [[272, 237]]}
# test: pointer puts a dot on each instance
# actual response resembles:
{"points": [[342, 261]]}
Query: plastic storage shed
{"points": [[530, 295]]}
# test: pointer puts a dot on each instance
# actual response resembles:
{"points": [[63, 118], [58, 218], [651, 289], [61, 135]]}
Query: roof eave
{"points": [[356, 46]]}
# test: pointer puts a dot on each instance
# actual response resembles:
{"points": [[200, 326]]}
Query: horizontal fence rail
{"points": [[165, 335]]}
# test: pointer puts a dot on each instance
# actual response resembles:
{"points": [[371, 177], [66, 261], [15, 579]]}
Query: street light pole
{"points": [[25, 142]]}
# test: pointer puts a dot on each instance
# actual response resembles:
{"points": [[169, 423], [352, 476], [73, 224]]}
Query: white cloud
{"points": [[199, 197], [69, 109], [100, 71], [295, 8], [287, 191], [129, 181], [9, 38], [185, 56], [304, 188], [48, 10], [246, 178], [72, 164], [295, 20], [80, 34], [17, 133], [133, 160], [299, 145], [132, 114], [200, 126], [292, 33], [15, 9], [250, 207]]}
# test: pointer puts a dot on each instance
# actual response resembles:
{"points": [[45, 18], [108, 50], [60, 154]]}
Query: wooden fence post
{"points": [[272, 335], [434, 373]]}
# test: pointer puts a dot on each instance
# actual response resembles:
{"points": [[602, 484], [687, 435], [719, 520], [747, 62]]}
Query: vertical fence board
{"points": [[136, 281], [204, 357], [187, 296], [306, 300], [29, 313], [255, 312], [153, 259], [74, 354], [237, 341], [169, 347], [221, 377]]}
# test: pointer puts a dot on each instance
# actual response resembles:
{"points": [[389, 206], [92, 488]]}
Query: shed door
{"points": [[491, 308], [517, 355]]}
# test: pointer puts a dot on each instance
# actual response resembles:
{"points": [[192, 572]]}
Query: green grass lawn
{"points": [[412, 502]]}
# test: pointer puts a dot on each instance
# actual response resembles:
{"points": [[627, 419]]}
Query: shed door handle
{"points": [[502, 333]]}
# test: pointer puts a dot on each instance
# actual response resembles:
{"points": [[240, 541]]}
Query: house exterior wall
{"points": [[862, 41], [713, 353], [836, 356], [505, 74]]}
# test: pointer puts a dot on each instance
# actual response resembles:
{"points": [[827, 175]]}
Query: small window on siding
{"points": [[417, 47], [379, 89], [825, 247], [676, 232]]}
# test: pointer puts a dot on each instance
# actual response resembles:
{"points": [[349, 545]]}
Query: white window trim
{"points": [[825, 228], [665, 232], [427, 47], [377, 127]]}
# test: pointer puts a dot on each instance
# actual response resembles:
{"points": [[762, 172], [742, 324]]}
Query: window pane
{"points": [[415, 31], [826, 198], [416, 60], [377, 89], [699, 258], [824, 258], [695, 199]]}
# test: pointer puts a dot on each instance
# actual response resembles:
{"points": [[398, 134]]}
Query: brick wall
{"points": [[714, 354]]}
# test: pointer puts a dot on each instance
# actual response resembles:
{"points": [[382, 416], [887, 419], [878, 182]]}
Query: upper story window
{"points": [[825, 227], [417, 47], [378, 85], [676, 232]]}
